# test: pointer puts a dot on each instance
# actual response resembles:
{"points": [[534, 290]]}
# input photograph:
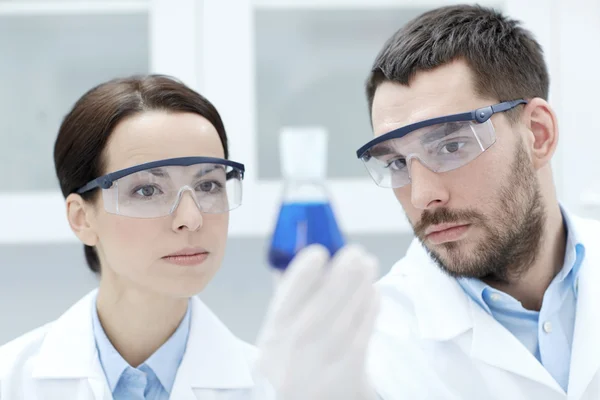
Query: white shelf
{"points": [[42, 8], [360, 207], [590, 198], [31, 217]]}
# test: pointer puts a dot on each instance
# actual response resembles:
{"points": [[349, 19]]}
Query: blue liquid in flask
{"points": [[301, 224]]}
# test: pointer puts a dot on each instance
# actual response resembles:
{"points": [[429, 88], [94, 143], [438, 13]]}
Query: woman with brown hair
{"points": [[143, 165]]}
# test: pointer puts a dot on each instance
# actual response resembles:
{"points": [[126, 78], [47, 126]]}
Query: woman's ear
{"points": [[80, 215], [541, 122]]}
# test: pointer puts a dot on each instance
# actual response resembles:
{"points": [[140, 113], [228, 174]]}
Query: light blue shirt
{"points": [[154, 379], [547, 334]]}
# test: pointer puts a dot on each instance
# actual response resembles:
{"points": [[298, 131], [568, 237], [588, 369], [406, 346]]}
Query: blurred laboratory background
{"points": [[266, 65]]}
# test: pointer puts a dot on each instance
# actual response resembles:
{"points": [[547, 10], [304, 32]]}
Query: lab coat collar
{"points": [[585, 354], [68, 350], [214, 357], [450, 313], [441, 306], [495, 345]]}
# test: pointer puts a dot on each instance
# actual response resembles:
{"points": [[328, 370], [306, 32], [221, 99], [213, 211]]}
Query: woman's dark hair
{"points": [[85, 130]]}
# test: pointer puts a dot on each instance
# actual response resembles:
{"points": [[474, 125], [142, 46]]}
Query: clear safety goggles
{"points": [[440, 144], [155, 189]]}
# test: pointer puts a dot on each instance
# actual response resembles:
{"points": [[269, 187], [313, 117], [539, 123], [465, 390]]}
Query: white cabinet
{"points": [[54, 51], [265, 64], [578, 37]]}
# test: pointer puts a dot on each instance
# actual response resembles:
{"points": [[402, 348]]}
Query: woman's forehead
{"points": [[158, 135]]}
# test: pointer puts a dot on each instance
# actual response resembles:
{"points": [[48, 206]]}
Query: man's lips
{"points": [[443, 233]]}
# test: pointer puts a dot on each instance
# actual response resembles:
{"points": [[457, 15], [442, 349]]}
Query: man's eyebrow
{"points": [[440, 132]]}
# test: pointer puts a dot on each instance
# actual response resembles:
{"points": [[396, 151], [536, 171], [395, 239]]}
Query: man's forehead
{"points": [[392, 112], [444, 90]]}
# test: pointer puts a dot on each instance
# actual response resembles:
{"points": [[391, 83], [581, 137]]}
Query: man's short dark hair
{"points": [[506, 61]]}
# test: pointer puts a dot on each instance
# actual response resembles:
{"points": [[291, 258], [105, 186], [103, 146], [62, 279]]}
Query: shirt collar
{"points": [[481, 292], [164, 362], [574, 252], [475, 289]]}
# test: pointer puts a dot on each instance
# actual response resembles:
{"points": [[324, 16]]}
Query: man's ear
{"points": [[81, 219], [542, 138]]}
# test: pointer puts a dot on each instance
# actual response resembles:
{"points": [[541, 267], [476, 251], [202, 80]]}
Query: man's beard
{"points": [[512, 235]]}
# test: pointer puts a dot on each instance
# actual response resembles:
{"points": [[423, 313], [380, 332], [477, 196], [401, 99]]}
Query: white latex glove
{"points": [[315, 337]]}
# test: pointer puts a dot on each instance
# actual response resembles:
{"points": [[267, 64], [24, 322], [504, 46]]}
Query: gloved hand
{"points": [[314, 341]]}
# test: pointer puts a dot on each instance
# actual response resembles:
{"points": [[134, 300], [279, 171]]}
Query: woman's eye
{"points": [[148, 191], [210, 186]]}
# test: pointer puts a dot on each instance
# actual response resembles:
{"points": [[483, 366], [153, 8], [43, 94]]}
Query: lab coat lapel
{"points": [[585, 354], [214, 365], [450, 312], [441, 306], [497, 346], [67, 366]]}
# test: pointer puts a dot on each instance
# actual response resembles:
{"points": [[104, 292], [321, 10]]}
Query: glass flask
{"points": [[305, 215]]}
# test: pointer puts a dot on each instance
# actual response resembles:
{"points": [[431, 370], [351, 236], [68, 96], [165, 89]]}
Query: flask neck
{"points": [[305, 191], [303, 153]]}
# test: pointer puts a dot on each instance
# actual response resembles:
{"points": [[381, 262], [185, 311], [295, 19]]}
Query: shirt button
{"points": [[495, 297], [547, 326]]}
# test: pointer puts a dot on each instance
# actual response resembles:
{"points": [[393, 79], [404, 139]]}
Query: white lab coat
{"points": [[432, 341], [59, 361]]}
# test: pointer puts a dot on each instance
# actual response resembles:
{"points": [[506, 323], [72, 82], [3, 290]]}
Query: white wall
{"points": [[54, 50]]}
